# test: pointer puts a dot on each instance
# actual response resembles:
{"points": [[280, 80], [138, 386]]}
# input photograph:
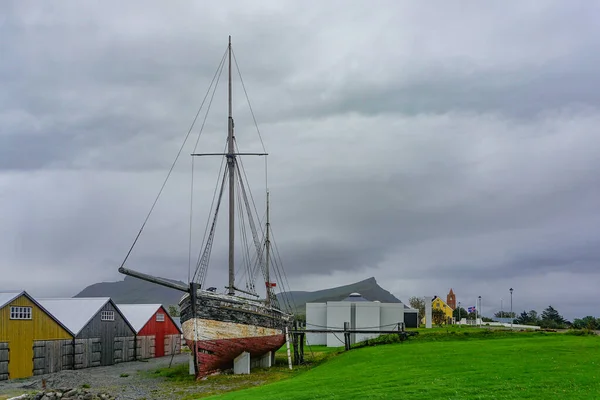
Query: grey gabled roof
{"points": [[76, 312], [138, 315]]}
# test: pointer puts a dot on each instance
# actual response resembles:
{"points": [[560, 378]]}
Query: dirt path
{"points": [[124, 381]]}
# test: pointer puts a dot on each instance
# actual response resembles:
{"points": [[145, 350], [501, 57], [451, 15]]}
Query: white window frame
{"points": [[160, 317], [20, 312], [107, 315]]}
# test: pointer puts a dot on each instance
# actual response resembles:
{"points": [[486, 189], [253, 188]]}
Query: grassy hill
{"points": [[368, 288], [518, 366], [136, 291]]}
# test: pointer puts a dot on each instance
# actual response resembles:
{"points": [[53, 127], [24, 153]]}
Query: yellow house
{"points": [[32, 341], [438, 304]]}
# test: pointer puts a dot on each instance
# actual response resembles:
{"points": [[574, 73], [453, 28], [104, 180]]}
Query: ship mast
{"points": [[268, 245], [231, 155], [231, 170]]}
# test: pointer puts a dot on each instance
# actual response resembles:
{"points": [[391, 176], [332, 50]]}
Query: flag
{"points": [[471, 309], [270, 284]]}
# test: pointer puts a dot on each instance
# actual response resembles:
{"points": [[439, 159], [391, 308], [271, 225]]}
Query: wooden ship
{"points": [[218, 327]]}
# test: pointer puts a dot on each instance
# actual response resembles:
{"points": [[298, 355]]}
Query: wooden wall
{"points": [[3, 361], [160, 330], [51, 356], [146, 347], [124, 349], [20, 335], [172, 344], [87, 353], [107, 332]]}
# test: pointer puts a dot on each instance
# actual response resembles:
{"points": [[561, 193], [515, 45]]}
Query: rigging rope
{"points": [[285, 282], [195, 147], [257, 243], [204, 259], [244, 239], [248, 100], [172, 167], [212, 204]]}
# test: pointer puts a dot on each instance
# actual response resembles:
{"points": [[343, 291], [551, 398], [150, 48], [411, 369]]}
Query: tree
{"points": [[528, 318], [418, 304], [505, 314], [459, 313], [438, 316], [173, 311], [588, 322], [552, 319], [550, 314]]}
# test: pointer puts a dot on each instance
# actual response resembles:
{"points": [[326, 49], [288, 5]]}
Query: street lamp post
{"points": [[511, 311], [459, 312], [479, 311], [501, 312]]}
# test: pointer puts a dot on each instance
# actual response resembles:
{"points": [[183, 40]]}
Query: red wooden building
{"points": [[157, 335]]}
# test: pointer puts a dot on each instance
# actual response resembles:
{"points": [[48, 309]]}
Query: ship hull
{"points": [[221, 328]]}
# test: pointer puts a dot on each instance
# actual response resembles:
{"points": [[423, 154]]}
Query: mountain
{"points": [[133, 290], [369, 289], [136, 291]]}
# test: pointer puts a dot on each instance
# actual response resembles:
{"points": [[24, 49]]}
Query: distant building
{"points": [[361, 313], [451, 300], [32, 340], [157, 333], [438, 304], [103, 336]]}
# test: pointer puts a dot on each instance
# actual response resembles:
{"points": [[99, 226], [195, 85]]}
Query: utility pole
{"points": [[511, 309]]}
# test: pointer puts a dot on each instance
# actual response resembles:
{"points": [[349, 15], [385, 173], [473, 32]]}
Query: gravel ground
{"points": [[109, 380]]}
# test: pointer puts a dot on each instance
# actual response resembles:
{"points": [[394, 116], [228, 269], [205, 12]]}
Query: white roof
{"points": [[7, 297], [138, 314], [75, 312]]}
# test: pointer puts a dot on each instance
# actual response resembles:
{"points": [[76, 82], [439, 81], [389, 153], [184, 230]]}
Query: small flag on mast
{"points": [[270, 284], [471, 309]]}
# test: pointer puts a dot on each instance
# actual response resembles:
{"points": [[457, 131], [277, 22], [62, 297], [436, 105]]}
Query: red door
{"points": [[159, 344]]}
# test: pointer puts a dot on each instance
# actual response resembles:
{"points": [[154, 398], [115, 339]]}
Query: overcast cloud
{"points": [[428, 145]]}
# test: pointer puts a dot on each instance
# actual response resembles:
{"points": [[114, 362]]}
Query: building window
{"points": [[107, 316], [20, 313], [160, 317]]}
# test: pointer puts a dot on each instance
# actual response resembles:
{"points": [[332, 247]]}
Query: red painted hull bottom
{"points": [[217, 355]]}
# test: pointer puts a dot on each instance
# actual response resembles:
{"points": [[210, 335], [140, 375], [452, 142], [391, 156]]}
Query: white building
{"points": [[361, 313]]}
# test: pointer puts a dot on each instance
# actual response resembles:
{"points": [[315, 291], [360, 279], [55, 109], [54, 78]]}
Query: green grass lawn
{"points": [[513, 366]]}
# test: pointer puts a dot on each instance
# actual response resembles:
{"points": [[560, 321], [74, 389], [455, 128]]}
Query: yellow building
{"points": [[438, 304], [32, 341]]}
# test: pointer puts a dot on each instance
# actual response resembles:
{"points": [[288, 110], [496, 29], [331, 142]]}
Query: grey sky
{"points": [[428, 145]]}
